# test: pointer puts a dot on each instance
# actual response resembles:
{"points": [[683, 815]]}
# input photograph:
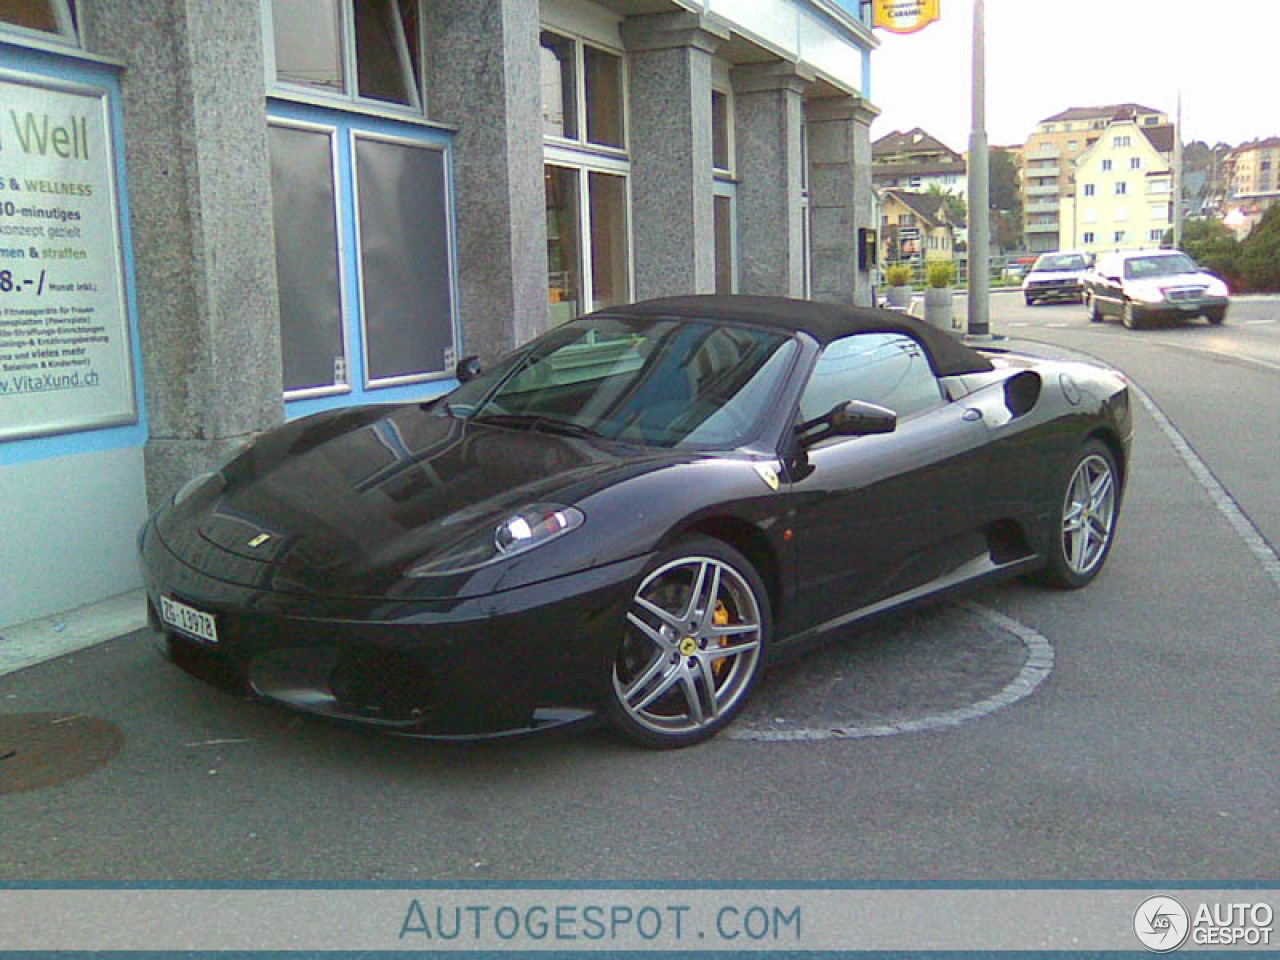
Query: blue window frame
{"points": [[366, 256]]}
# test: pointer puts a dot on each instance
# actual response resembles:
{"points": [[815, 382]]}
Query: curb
{"points": [[27, 644]]}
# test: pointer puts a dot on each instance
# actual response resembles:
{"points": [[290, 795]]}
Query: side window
{"points": [[41, 17], [888, 369], [355, 49]]}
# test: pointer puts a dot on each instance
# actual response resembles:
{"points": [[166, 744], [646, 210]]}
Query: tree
{"points": [[1007, 229], [1005, 193], [957, 209], [1260, 253]]}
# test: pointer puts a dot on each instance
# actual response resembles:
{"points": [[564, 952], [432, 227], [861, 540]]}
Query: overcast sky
{"points": [[1044, 56]]}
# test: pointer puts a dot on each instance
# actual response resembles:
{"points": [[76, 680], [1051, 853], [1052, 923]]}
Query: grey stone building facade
{"points": [[303, 204]]}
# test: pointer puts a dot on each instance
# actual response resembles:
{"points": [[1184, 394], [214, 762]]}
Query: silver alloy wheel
{"points": [[1088, 515], [692, 647]]}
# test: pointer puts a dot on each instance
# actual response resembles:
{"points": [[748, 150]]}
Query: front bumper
{"points": [[1054, 290], [1177, 309], [508, 662]]}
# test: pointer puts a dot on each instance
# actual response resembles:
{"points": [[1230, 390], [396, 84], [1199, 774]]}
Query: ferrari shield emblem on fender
{"points": [[768, 474], [260, 539]]}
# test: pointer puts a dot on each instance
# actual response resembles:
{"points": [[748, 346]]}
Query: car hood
{"points": [[349, 503], [1053, 275], [1196, 279]]}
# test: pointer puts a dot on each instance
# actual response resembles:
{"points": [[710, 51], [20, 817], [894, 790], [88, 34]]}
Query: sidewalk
{"points": [[26, 644]]}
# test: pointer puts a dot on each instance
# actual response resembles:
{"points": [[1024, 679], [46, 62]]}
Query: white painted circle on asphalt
{"points": [[1033, 673]]}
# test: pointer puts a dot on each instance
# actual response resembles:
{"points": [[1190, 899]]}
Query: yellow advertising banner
{"points": [[904, 16]]}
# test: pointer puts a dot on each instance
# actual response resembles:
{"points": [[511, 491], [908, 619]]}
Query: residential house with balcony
{"points": [[1122, 198], [917, 161], [1049, 158]]}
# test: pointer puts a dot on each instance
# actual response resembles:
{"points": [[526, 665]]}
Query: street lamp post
{"points": [[979, 187]]}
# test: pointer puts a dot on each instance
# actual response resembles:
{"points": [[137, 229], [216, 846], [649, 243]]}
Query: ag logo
{"points": [[1161, 924]]}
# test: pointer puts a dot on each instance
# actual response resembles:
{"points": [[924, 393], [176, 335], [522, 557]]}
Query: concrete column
{"points": [[840, 198], [483, 77], [672, 207], [768, 127], [203, 240]]}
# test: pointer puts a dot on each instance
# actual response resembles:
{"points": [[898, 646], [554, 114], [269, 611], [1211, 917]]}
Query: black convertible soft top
{"points": [[824, 322]]}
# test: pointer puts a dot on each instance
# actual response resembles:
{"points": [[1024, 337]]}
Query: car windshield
{"points": [[656, 382], [1166, 265], [1061, 261]]}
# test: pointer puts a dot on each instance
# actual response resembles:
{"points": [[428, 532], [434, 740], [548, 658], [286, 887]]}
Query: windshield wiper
{"points": [[532, 421]]}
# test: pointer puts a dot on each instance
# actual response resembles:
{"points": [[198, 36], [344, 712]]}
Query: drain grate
{"points": [[44, 749]]}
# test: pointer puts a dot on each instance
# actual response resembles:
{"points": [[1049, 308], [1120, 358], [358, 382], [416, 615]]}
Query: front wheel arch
{"points": [[750, 541]]}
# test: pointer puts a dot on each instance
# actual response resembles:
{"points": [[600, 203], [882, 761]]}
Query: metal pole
{"points": [[1177, 177], [979, 187]]}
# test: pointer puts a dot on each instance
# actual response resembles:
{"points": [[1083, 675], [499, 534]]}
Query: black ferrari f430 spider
{"points": [[630, 516]]}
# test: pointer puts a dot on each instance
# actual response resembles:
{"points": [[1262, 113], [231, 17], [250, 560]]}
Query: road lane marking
{"points": [[1218, 494]]}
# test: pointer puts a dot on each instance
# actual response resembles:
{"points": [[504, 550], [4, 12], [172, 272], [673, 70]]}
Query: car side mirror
{"points": [[852, 418], [468, 368]]}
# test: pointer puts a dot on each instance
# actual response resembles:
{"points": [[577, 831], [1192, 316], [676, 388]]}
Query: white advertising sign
{"points": [[65, 359]]}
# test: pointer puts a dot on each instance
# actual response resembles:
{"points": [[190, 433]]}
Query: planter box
{"points": [[937, 307], [899, 297]]}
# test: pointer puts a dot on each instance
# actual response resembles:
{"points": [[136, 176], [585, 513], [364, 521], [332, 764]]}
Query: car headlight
{"points": [[519, 533], [1145, 292]]}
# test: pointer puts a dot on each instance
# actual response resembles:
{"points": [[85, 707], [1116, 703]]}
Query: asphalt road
{"points": [[1148, 752]]}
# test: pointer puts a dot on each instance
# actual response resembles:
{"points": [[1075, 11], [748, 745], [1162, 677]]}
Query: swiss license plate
{"points": [[189, 620]]}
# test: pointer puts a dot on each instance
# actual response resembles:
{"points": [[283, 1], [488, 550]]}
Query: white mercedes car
{"points": [[1144, 286]]}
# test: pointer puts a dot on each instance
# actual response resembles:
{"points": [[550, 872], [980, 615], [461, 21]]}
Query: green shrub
{"points": [[1214, 247], [898, 275], [1260, 254], [1250, 265], [940, 273]]}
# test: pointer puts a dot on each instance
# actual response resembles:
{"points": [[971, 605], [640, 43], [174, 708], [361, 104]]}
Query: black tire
{"points": [[686, 665], [1095, 315], [1129, 318], [1080, 540], [1216, 317], [1031, 301]]}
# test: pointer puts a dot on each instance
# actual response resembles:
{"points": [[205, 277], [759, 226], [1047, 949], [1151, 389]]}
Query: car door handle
{"points": [[972, 414]]}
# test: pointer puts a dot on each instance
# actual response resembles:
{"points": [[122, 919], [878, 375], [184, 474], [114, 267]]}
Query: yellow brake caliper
{"points": [[720, 617]]}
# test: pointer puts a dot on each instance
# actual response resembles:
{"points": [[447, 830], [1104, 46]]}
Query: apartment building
{"points": [[1049, 158], [1253, 180], [1122, 197]]}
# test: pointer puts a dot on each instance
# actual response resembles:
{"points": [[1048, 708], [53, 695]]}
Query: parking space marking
{"points": [[1033, 673]]}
